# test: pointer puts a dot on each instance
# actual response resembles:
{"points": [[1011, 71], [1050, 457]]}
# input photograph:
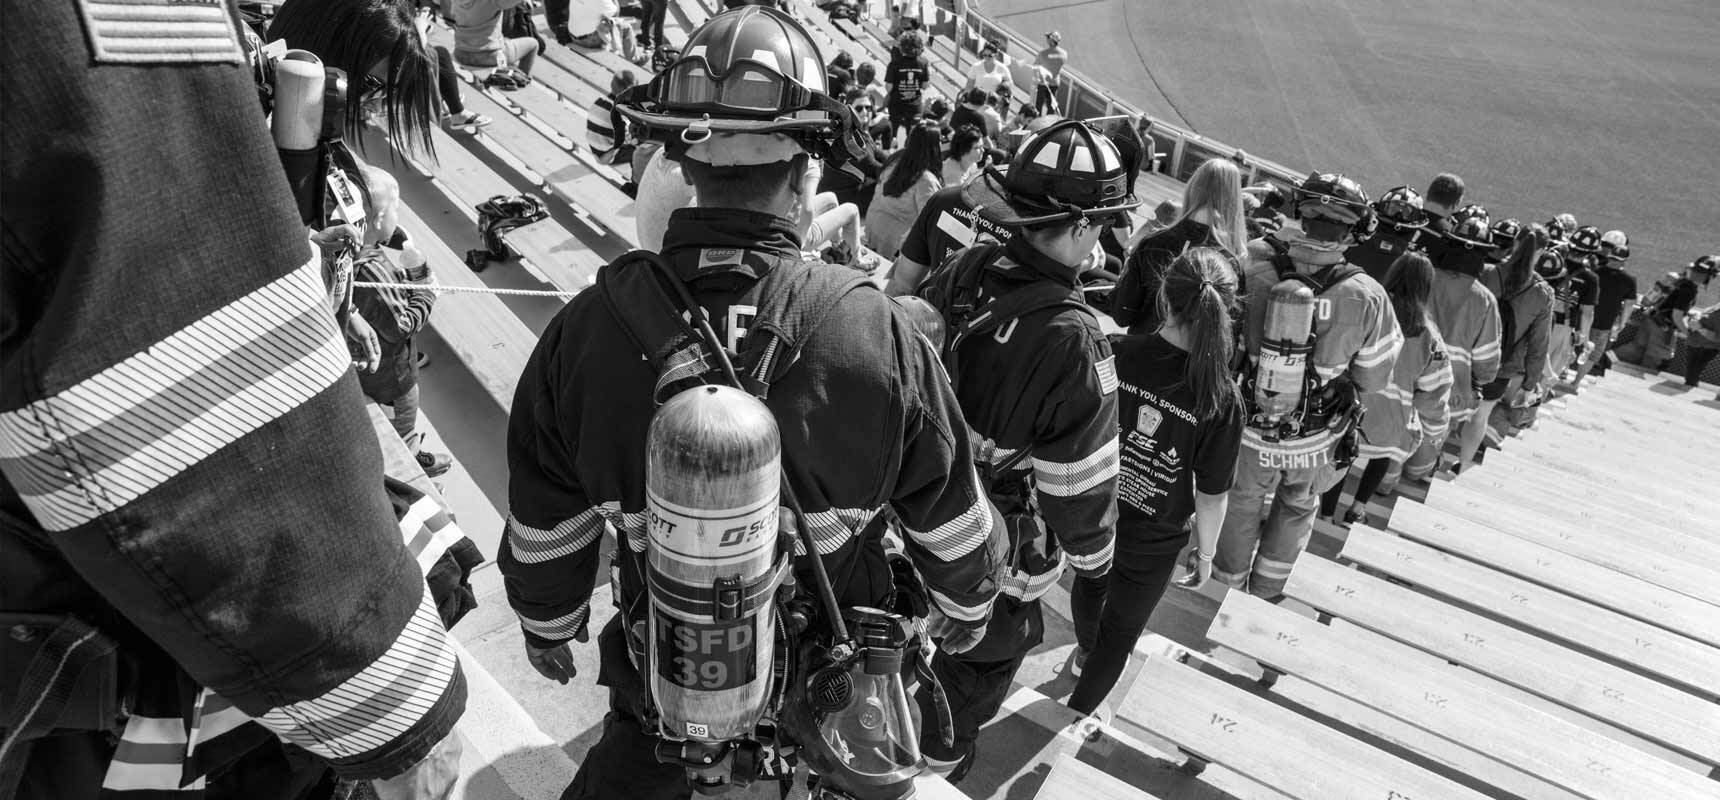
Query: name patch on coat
{"points": [[160, 32]]}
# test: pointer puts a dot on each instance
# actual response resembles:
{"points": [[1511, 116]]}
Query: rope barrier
{"points": [[444, 289]]}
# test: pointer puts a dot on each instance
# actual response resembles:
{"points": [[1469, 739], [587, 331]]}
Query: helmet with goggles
{"points": [[1328, 197], [752, 70], [1402, 207]]}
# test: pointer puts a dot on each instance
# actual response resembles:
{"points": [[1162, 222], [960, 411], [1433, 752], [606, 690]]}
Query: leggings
{"points": [[448, 81], [651, 15], [1121, 602], [1365, 488]]}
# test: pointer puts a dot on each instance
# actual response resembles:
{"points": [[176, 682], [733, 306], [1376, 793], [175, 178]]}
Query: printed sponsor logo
{"points": [[1147, 420]]}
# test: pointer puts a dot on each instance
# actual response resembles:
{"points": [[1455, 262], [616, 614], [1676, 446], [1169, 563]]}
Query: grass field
{"points": [[1607, 109]]}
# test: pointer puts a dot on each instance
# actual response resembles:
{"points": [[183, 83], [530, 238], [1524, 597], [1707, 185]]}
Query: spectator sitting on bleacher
{"points": [[937, 111], [839, 74], [606, 131], [478, 39], [1211, 217], [1396, 422], [976, 109], [455, 116], [907, 76], [592, 18], [856, 179], [866, 79], [909, 178], [990, 74], [1165, 214], [965, 156], [1181, 420]]}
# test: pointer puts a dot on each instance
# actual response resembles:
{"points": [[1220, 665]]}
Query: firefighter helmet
{"points": [[749, 70], [1066, 172], [1471, 211], [1402, 207], [1505, 233], [1473, 233], [1706, 265], [1556, 230], [1615, 244], [1332, 197], [1586, 239], [1550, 265]]}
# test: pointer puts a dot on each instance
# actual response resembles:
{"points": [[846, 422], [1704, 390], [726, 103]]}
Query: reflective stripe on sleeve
{"points": [[1060, 479], [383, 701], [957, 611], [97, 446], [535, 545], [1094, 562], [560, 628], [962, 535]]}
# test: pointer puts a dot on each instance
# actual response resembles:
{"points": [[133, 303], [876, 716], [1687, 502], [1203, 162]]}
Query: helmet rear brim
{"points": [[987, 196]]}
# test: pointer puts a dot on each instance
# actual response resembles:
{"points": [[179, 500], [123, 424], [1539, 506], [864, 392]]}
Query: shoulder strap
{"points": [[793, 300], [966, 319]]}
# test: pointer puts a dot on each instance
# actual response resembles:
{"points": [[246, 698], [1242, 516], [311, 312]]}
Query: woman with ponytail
{"points": [[1526, 306], [1181, 419], [1412, 409]]}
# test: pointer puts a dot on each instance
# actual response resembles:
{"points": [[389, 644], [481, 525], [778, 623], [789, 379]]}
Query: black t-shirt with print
{"points": [[1579, 288], [1682, 297], [907, 79], [1167, 454], [947, 224], [1615, 287]]}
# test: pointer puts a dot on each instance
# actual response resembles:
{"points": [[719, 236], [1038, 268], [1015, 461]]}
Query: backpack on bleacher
{"points": [[497, 216]]}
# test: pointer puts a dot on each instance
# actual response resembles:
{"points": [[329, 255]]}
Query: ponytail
{"points": [[1199, 293], [1409, 283]]}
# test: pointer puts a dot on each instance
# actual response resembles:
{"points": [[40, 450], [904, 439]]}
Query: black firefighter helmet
{"points": [[1332, 199], [749, 70], [1068, 172]]}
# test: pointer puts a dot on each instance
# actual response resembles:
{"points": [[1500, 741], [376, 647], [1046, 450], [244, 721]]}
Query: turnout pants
{"points": [[1271, 515], [977, 682]]}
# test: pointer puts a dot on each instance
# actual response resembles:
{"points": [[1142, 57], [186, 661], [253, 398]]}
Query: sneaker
{"points": [[1357, 513], [467, 121], [562, 35], [1077, 661], [434, 464]]}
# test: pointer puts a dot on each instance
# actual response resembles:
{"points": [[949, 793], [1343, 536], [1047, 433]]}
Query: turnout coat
{"points": [[1411, 409]]}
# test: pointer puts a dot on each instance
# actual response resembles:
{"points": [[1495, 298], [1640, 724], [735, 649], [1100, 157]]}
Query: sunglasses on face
{"points": [[865, 107]]}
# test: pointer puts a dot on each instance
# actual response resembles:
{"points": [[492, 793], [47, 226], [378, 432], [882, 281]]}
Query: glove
{"points": [[556, 663], [954, 636]]}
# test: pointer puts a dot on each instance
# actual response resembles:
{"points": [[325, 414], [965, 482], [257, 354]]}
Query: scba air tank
{"points": [[713, 475], [1285, 344]]}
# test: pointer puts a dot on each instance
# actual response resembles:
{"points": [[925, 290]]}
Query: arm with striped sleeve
{"points": [[395, 314], [178, 413], [1075, 454], [1372, 366], [551, 546], [1432, 392], [955, 536], [1484, 354]]}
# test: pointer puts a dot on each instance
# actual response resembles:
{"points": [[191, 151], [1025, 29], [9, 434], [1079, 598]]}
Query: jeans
{"points": [[1271, 515], [1372, 475], [403, 413], [1695, 360], [1127, 597], [651, 15]]}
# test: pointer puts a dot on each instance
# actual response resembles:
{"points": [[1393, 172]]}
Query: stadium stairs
{"points": [[1545, 625]]}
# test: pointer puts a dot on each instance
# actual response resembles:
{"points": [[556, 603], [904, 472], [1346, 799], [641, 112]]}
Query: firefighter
{"points": [[1321, 333], [1037, 382], [870, 430], [1667, 318], [1467, 314], [189, 474], [1402, 218]]}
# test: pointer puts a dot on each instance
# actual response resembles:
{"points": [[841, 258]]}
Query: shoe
{"points": [[434, 464], [590, 41], [1357, 513], [1077, 661], [562, 35]]}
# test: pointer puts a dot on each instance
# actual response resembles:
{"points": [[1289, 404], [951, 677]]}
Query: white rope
{"points": [[444, 289]]}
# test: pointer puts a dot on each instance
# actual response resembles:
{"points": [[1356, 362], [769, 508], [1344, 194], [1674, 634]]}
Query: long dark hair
{"points": [[923, 153], [356, 35], [1199, 292], [1409, 281], [1519, 268]]}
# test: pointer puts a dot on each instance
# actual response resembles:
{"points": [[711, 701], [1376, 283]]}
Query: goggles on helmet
{"points": [[1401, 212], [749, 87]]}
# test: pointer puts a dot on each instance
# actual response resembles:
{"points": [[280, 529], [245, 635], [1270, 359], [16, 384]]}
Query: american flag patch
{"points": [[160, 32], [1107, 372]]}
